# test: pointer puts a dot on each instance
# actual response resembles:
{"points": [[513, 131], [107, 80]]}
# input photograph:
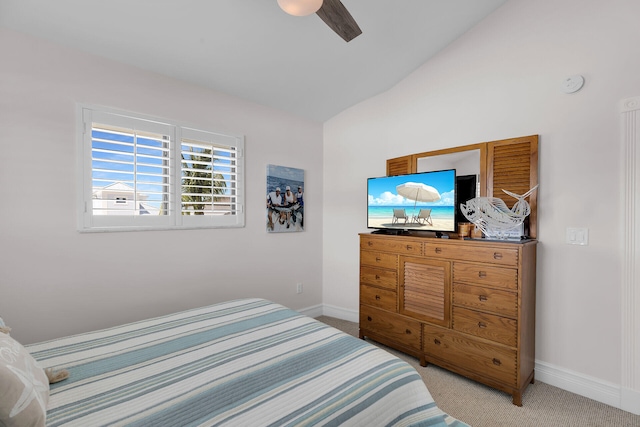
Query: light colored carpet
{"points": [[482, 406]]}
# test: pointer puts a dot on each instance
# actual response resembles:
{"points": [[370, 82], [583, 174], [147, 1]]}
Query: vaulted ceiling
{"points": [[252, 49]]}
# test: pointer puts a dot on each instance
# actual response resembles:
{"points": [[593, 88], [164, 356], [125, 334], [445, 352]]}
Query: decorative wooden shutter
{"points": [[512, 164], [400, 165]]}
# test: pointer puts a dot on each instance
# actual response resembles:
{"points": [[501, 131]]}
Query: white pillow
{"points": [[24, 387]]}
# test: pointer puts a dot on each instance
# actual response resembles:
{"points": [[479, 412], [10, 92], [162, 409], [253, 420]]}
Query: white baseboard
{"points": [[341, 313], [592, 388], [577, 383], [630, 400], [313, 311], [331, 311]]}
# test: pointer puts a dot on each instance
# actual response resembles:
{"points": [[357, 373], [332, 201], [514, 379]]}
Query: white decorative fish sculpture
{"points": [[492, 215]]}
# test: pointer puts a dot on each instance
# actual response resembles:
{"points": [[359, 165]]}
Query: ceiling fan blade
{"points": [[338, 18]]}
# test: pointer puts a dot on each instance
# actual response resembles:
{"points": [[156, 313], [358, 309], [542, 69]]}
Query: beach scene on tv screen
{"points": [[414, 196]]}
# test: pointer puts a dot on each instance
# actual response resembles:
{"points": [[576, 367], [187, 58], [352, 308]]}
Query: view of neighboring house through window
{"points": [[130, 171], [136, 176]]}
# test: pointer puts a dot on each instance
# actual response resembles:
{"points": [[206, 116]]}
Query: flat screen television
{"points": [[422, 201]]}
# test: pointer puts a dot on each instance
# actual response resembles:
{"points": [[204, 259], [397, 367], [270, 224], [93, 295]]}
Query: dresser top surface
{"points": [[452, 240]]}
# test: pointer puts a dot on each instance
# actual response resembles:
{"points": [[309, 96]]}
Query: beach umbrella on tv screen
{"points": [[418, 192]]}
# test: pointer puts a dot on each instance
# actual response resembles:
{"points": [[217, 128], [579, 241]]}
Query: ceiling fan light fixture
{"points": [[300, 7]]}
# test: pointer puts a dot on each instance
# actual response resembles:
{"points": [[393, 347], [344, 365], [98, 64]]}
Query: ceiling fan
{"points": [[332, 12]]}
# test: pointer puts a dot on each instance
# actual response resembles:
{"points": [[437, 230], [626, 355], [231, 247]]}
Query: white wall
{"points": [[500, 80], [55, 281]]}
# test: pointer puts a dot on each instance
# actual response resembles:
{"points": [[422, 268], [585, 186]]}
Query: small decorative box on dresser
{"points": [[465, 305]]}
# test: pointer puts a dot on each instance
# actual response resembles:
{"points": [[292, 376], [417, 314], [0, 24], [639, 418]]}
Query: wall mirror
{"points": [[467, 166], [466, 161]]}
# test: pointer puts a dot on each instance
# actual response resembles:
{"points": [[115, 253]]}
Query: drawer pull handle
{"points": [[438, 250], [377, 259], [496, 362], [377, 297], [483, 298], [482, 274], [370, 243], [409, 247], [436, 341], [377, 277], [369, 318], [482, 325], [497, 255], [407, 331]]}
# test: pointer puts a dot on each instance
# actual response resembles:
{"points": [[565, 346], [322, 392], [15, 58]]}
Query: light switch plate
{"points": [[577, 236]]}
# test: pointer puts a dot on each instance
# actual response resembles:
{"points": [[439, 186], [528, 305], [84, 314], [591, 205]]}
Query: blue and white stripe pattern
{"points": [[247, 362]]}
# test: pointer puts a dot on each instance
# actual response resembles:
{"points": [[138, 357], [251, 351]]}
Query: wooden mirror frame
{"points": [[510, 164]]}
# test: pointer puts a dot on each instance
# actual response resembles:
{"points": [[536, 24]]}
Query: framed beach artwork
{"points": [[285, 199]]}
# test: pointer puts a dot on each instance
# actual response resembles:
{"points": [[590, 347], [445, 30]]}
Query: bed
{"points": [[247, 362]]}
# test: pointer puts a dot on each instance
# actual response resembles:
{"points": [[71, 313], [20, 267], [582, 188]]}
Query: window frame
{"points": [[87, 221]]}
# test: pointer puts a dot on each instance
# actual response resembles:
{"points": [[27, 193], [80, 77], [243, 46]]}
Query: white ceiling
{"points": [[252, 49]]}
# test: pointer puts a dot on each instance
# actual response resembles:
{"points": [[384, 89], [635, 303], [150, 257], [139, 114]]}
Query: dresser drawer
{"points": [[484, 299], [479, 274], [475, 355], [378, 277], [397, 245], [495, 328], [491, 255], [378, 259], [403, 330], [381, 298]]}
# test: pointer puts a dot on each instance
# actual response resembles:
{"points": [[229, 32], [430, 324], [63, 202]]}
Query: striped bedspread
{"points": [[247, 362]]}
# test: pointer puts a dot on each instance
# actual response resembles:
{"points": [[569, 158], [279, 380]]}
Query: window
{"points": [[142, 173]]}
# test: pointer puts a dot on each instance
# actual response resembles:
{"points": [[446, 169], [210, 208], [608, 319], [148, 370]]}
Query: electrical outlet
{"points": [[298, 288]]}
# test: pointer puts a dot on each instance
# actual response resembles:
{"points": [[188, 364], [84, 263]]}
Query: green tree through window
{"points": [[199, 183]]}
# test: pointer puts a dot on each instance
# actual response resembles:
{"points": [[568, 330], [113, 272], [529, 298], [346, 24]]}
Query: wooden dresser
{"points": [[465, 305]]}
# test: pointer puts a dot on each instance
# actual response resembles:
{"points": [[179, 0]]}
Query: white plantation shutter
{"points": [[136, 176], [134, 168], [211, 170]]}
